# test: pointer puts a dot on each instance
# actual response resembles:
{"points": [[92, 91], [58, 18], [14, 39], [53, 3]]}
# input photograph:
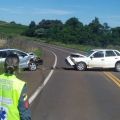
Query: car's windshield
{"points": [[88, 53]]}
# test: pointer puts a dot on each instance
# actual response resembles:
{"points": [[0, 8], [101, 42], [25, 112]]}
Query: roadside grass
{"points": [[7, 29], [38, 52], [83, 48], [79, 47], [1, 68], [2, 43], [25, 44]]}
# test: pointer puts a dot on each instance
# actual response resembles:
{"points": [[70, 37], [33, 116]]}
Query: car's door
{"points": [[110, 59], [96, 60], [23, 57]]}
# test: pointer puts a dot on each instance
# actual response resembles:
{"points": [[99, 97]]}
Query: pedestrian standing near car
{"points": [[13, 92]]}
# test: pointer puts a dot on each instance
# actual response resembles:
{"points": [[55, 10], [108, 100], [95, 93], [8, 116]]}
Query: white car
{"points": [[97, 58], [27, 60]]}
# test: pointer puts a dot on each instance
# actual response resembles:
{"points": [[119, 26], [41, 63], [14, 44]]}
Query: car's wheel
{"points": [[81, 66], [117, 67], [32, 66]]}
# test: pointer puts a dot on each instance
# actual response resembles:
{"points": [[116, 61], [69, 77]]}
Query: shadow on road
{"points": [[73, 69], [64, 68], [90, 70]]}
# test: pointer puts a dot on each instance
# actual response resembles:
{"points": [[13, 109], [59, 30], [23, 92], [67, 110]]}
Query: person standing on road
{"points": [[13, 92]]}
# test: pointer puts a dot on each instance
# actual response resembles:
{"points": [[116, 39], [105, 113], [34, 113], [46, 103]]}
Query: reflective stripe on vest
{"points": [[10, 91]]}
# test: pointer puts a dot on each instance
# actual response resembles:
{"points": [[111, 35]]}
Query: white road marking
{"points": [[33, 97], [51, 72]]}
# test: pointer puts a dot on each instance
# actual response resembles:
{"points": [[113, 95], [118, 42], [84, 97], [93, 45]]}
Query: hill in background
{"points": [[11, 28]]}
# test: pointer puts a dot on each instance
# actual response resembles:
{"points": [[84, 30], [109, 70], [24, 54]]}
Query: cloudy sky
{"points": [[24, 11]]}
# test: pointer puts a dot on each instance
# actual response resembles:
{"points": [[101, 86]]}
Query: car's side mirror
{"points": [[91, 57]]}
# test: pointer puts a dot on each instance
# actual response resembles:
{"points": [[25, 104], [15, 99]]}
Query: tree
{"points": [[40, 32], [74, 32], [116, 35], [51, 28], [95, 26], [13, 22], [32, 25], [31, 29], [73, 22], [47, 24]]}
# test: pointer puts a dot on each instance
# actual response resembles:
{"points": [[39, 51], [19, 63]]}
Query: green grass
{"points": [[1, 68], [38, 52], [11, 29], [84, 48]]}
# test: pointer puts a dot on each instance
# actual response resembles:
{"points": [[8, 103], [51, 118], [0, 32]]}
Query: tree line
{"points": [[75, 32]]}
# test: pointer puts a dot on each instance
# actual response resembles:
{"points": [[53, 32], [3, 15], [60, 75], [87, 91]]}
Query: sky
{"points": [[25, 11]]}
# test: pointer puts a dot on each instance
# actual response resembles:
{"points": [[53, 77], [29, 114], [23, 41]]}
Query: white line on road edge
{"points": [[51, 72], [32, 98]]}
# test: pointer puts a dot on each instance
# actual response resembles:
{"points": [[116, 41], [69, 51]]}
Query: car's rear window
{"points": [[110, 54], [118, 54]]}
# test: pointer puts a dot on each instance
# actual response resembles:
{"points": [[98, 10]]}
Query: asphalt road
{"points": [[75, 95]]}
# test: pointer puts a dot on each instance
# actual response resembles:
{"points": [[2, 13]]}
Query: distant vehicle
{"points": [[97, 58], [27, 60]]}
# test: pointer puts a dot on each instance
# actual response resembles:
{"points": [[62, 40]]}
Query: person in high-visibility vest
{"points": [[13, 93]]}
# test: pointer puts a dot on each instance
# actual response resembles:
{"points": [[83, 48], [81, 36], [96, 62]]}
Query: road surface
{"points": [[75, 95]]}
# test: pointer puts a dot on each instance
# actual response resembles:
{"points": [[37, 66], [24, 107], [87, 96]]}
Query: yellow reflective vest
{"points": [[10, 91]]}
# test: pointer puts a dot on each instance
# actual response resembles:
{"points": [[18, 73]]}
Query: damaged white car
{"points": [[97, 58], [27, 60]]}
